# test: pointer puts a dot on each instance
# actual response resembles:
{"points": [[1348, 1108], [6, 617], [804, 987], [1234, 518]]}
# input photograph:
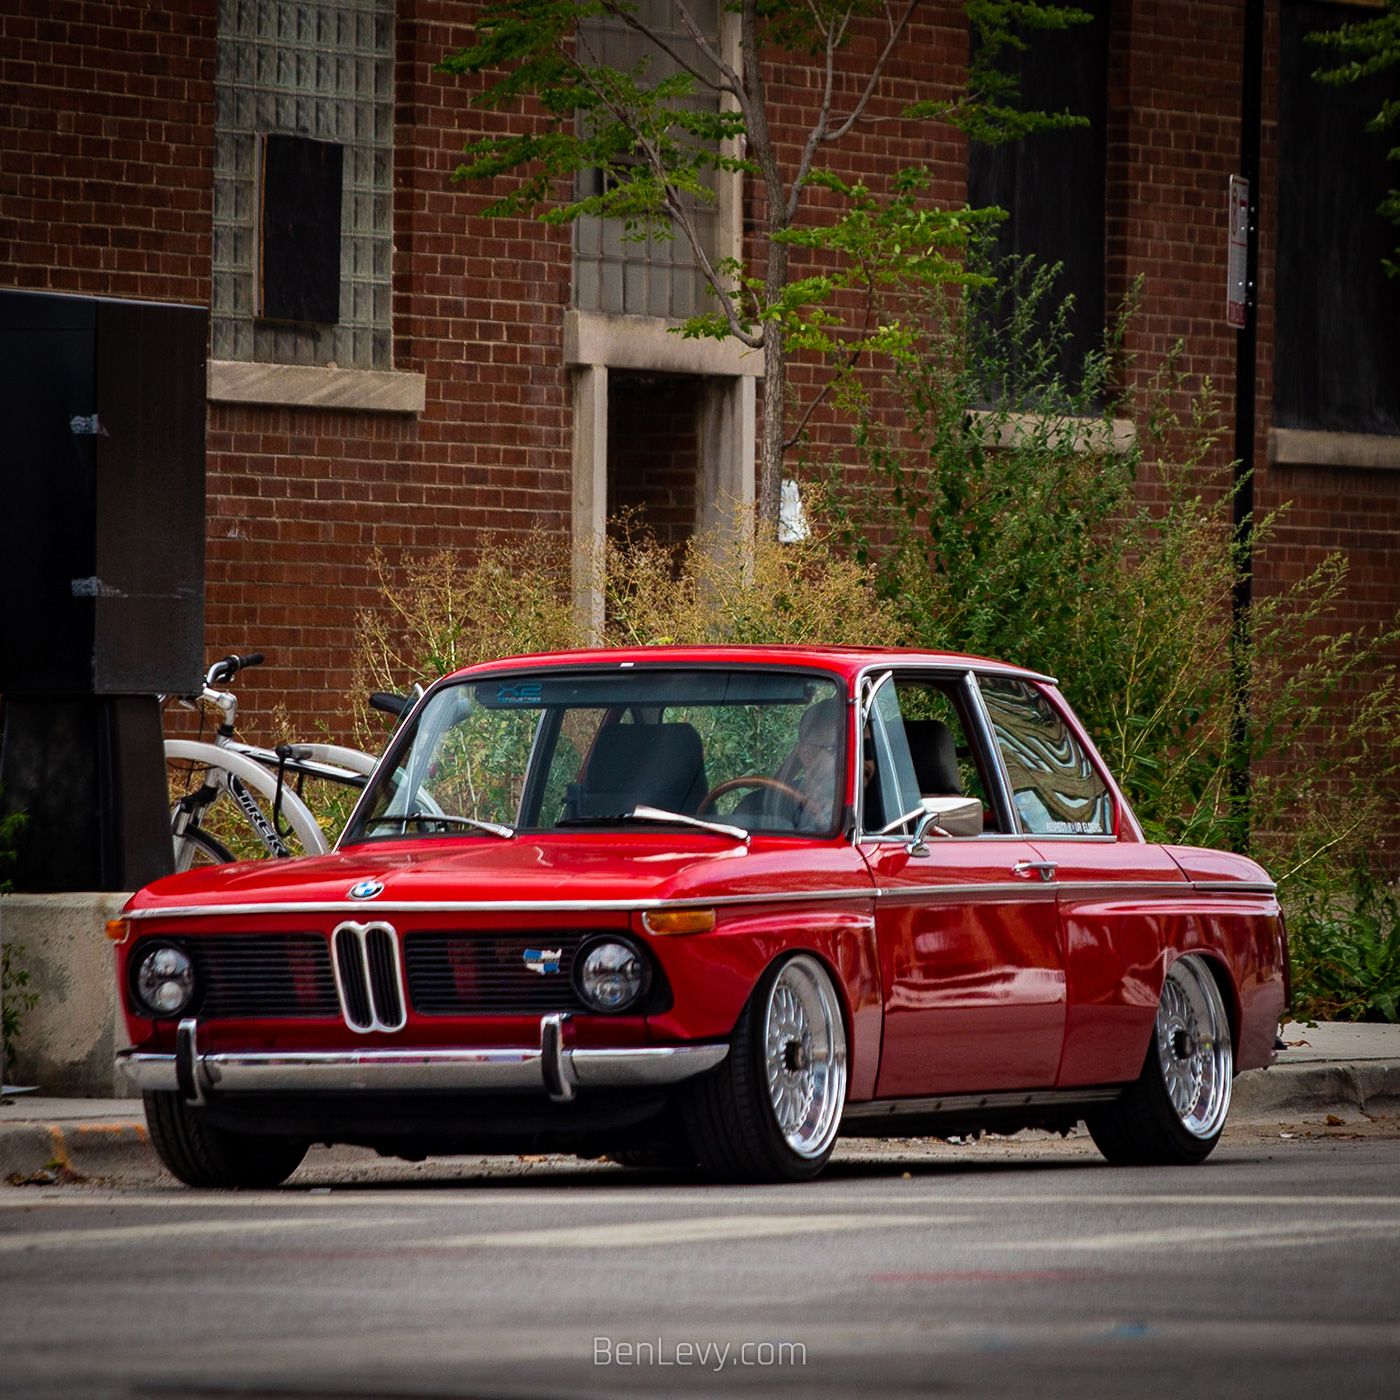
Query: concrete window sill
{"points": [[1091, 437], [651, 343], [1301, 447], [308, 386]]}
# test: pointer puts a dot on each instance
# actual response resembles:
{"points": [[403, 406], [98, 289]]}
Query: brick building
{"points": [[456, 376]]}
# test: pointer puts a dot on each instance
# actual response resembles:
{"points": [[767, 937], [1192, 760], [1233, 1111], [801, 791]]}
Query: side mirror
{"points": [[945, 816]]}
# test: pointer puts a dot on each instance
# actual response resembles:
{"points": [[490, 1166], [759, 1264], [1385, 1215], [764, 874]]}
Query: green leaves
{"points": [[644, 144], [1345, 941], [1369, 47], [1002, 517]]}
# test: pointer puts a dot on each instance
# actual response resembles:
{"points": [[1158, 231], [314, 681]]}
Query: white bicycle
{"points": [[265, 786]]}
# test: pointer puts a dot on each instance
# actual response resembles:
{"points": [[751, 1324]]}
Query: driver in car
{"points": [[812, 766]]}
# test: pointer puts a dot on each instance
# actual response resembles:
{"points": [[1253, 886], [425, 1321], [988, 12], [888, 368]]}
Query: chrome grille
{"points": [[488, 974], [367, 977], [263, 974]]}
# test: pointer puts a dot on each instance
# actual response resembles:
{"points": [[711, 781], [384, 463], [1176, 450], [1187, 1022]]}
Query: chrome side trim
{"points": [[1124, 889], [500, 906], [256, 1071], [629, 906], [962, 1103], [1234, 887], [1020, 890]]}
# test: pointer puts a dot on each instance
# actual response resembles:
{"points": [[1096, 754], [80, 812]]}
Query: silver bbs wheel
{"points": [[1194, 1048], [805, 1056]]}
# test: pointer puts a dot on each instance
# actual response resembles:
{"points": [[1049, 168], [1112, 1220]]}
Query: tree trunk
{"points": [[770, 465]]}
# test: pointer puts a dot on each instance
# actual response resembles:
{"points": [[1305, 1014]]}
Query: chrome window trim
{"points": [[1008, 817]]}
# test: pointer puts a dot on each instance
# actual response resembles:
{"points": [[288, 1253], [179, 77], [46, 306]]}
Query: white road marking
{"points": [[688, 1230], [1262, 1235], [126, 1235], [453, 1198]]}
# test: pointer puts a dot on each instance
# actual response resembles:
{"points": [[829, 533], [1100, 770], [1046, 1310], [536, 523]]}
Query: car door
{"points": [[971, 965], [1116, 893]]}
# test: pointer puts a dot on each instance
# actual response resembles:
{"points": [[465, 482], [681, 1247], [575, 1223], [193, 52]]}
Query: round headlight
{"points": [[611, 975], [164, 980]]}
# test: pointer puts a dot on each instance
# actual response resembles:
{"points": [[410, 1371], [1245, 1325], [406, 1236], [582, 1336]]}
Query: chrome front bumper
{"points": [[552, 1067]]}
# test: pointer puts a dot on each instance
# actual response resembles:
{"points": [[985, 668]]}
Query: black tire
{"points": [[1191, 1053], [732, 1115], [200, 849], [201, 1155]]}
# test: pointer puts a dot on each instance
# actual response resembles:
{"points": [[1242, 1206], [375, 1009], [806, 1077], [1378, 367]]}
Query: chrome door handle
{"points": [[1027, 868]]}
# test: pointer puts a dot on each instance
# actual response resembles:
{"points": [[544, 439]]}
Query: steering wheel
{"points": [[753, 780]]}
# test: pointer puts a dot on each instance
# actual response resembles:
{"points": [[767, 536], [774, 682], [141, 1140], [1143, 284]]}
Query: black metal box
{"points": [[101, 495]]}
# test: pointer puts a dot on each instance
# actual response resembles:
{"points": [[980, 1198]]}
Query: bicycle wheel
{"points": [[195, 848]]}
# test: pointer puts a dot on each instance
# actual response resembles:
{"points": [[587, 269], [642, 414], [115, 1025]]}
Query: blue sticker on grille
{"points": [[543, 960]]}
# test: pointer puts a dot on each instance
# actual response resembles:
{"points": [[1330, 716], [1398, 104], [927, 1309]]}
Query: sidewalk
{"points": [[1347, 1070]]}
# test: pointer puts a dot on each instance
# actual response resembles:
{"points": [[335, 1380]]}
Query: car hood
{"points": [[628, 869]]}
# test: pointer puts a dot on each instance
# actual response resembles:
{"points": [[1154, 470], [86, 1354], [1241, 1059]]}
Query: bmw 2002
{"points": [[709, 908]]}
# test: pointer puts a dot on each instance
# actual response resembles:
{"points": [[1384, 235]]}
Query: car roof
{"points": [[846, 661]]}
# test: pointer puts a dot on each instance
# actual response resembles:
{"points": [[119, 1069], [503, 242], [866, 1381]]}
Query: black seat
{"points": [[652, 765], [935, 757]]}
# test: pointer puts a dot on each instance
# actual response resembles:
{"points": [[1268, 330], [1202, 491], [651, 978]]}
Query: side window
{"points": [[1056, 789], [918, 747]]}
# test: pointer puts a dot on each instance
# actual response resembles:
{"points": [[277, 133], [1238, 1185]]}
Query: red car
{"points": [[708, 908]]}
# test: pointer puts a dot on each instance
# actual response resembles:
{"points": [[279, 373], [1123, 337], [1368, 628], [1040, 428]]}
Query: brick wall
{"points": [[106, 147], [106, 159]]}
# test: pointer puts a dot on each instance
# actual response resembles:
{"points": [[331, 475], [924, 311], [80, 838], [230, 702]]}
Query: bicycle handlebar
{"points": [[389, 703], [224, 671]]}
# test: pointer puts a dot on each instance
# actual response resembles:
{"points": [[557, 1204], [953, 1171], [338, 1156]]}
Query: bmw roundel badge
{"points": [[365, 889]]}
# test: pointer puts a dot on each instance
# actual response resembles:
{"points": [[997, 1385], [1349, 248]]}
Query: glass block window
{"points": [[660, 277], [323, 71]]}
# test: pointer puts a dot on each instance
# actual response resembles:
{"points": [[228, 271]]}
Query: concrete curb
{"points": [[119, 1146], [85, 1147], [1366, 1086]]}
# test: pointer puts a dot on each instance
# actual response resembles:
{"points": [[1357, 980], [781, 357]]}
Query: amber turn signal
{"points": [[678, 920], [118, 930]]}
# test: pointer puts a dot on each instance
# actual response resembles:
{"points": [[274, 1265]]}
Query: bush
{"points": [[1345, 942], [515, 599], [1006, 516]]}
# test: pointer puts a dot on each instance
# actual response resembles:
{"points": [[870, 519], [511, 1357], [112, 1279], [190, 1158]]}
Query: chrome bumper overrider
{"points": [[552, 1066]]}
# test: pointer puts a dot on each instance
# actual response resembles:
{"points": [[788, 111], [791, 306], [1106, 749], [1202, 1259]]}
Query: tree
{"points": [[655, 148], [1369, 47]]}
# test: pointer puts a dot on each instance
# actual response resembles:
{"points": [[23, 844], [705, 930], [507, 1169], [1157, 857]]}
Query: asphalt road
{"points": [[999, 1268]]}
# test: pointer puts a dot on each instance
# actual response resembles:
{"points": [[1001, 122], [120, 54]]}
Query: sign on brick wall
{"points": [[1237, 273]]}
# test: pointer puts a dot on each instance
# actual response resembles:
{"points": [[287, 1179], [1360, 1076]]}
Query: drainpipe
{"points": [[1246, 347]]}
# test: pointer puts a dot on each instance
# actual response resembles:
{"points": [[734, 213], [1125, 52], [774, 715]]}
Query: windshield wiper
{"points": [[446, 818], [656, 814]]}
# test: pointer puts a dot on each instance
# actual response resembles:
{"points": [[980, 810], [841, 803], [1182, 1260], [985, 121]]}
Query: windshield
{"points": [[482, 759]]}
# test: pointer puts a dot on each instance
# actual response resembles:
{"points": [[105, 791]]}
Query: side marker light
{"points": [[664, 921]]}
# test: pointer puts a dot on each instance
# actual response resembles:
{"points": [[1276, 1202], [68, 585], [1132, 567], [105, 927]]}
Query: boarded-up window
{"points": [[1052, 183], [300, 254], [1337, 346], [322, 73]]}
